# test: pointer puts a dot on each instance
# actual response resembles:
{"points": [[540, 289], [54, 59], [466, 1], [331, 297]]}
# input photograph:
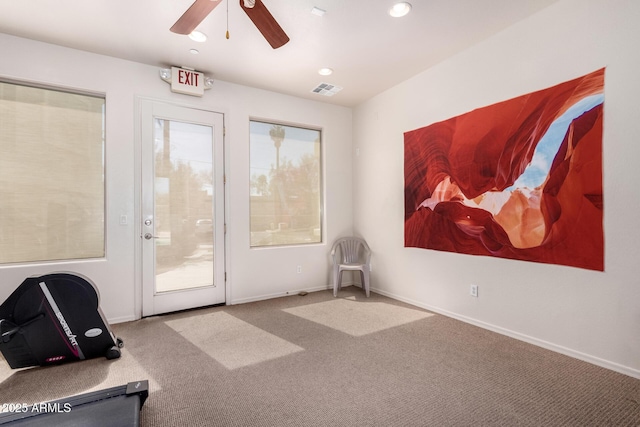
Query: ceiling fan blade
{"points": [[194, 16], [266, 24]]}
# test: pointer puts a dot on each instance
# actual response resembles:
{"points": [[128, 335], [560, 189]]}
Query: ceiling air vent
{"points": [[326, 89]]}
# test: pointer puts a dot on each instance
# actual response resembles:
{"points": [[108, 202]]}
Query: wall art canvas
{"points": [[520, 179]]}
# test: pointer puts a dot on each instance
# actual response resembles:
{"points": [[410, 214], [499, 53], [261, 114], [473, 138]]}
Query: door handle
{"points": [[148, 236]]}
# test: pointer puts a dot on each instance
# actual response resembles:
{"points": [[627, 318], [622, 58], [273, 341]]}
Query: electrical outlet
{"points": [[299, 269], [474, 291]]}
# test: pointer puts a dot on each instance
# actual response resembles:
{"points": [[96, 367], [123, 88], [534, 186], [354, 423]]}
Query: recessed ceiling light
{"points": [[400, 9], [325, 71], [194, 51], [198, 36]]}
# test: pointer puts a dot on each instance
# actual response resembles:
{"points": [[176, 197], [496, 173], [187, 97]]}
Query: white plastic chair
{"points": [[355, 255]]}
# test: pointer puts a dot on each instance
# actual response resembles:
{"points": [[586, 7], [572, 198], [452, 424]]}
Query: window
{"points": [[285, 185], [51, 174]]}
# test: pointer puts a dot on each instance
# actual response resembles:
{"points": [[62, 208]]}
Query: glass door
{"points": [[182, 230]]}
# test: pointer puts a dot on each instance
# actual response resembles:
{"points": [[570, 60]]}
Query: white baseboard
{"points": [[123, 319], [635, 373], [277, 295]]}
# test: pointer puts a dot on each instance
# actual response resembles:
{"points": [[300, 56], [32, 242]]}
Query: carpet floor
{"points": [[315, 360]]}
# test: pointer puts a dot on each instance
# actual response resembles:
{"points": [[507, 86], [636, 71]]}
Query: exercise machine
{"points": [[116, 406], [53, 319]]}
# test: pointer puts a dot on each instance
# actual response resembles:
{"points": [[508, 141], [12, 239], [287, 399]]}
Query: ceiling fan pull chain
{"points": [[227, 34]]}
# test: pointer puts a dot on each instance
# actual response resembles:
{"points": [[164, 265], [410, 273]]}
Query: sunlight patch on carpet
{"points": [[5, 369], [231, 341], [125, 370], [68, 379], [357, 318]]}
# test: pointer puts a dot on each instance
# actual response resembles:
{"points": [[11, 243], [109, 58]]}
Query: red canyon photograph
{"points": [[519, 179]]}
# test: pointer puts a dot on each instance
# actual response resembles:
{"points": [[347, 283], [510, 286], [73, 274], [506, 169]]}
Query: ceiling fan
{"points": [[255, 10]]}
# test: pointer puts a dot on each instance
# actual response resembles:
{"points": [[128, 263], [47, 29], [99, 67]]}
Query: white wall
{"points": [[591, 315], [252, 274]]}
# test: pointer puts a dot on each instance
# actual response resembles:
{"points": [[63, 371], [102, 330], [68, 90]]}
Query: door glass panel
{"points": [[184, 212]]}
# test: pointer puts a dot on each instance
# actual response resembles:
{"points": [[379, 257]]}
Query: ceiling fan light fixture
{"points": [[255, 10], [400, 9], [198, 36], [325, 71]]}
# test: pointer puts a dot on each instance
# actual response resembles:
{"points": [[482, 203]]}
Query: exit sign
{"points": [[186, 81]]}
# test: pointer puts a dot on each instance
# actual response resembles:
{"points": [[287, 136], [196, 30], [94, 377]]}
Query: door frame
{"points": [[138, 193]]}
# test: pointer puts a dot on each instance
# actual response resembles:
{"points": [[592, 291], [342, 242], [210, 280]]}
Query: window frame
{"points": [[321, 184]]}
